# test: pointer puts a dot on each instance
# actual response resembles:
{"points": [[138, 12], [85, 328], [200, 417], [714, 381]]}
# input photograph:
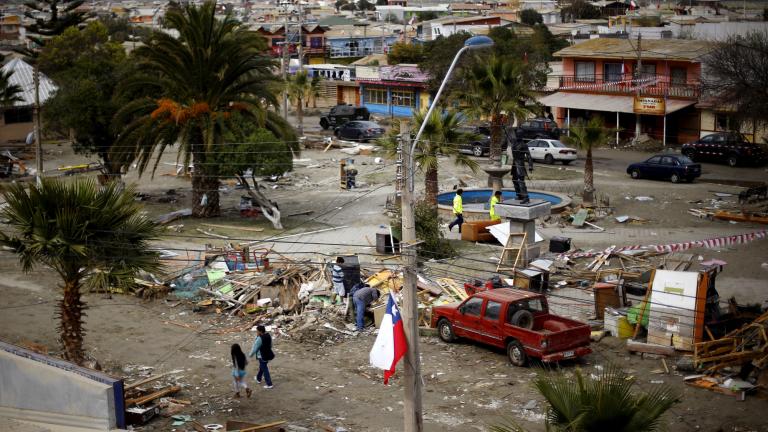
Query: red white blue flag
{"points": [[390, 345]]}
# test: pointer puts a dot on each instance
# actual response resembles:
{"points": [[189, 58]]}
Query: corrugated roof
{"points": [[23, 76], [665, 49]]}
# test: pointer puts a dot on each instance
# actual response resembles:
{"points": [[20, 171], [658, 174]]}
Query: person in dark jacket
{"points": [[363, 297], [262, 349], [238, 370]]}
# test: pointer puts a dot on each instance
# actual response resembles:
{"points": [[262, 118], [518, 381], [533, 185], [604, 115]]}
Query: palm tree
{"points": [[313, 92], [496, 86], [586, 135], [9, 93], [602, 403], [93, 237], [441, 136], [189, 87], [298, 90]]}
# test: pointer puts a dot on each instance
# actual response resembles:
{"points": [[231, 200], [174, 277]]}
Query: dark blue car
{"points": [[675, 168]]}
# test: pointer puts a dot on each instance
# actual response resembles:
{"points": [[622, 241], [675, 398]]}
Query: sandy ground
{"points": [[328, 382]]}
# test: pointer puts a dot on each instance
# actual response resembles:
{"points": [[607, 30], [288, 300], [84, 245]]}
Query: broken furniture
{"points": [[477, 231]]}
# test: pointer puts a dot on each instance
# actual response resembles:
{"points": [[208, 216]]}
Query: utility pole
{"points": [[301, 41], [38, 131], [638, 83], [286, 59], [412, 411]]}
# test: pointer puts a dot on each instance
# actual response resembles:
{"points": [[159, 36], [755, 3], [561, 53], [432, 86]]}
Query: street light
{"points": [[475, 42]]}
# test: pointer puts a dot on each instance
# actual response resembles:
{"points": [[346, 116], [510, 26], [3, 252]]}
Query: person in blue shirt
{"points": [[262, 349]]}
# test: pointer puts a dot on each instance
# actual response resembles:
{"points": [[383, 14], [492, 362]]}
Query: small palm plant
{"points": [[588, 135], [298, 87], [93, 237], [605, 402]]}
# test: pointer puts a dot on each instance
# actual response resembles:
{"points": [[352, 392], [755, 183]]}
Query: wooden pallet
{"points": [[513, 253]]}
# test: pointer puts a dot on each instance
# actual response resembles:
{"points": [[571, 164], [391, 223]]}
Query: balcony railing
{"points": [[653, 85]]}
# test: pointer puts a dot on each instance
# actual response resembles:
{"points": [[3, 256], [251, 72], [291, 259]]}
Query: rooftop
{"points": [[667, 49], [23, 76]]}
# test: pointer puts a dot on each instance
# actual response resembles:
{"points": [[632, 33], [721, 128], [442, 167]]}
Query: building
{"points": [[10, 31], [313, 42], [360, 40], [17, 121], [601, 77], [446, 26], [395, 91]]}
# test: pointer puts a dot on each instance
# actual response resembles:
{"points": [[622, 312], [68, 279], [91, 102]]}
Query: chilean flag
{"points": [[390, 345]]}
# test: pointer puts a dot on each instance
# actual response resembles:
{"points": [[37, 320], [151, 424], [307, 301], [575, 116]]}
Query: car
{"points": [[672, 167], [340, 114], [551, 150], [359, 131], [538, 128], [516, 320], [725, 147]]}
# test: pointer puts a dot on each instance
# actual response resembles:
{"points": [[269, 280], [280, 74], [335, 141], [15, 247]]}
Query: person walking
{"points": [[458, 210], [262, 349], [337, 276], [363, 297], [238, 370], [495, 199]]}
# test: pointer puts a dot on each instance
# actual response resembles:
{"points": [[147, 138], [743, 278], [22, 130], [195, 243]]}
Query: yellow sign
{"points": [[649, 105]]}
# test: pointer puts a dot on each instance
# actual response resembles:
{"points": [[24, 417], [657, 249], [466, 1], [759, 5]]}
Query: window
{"points": [[612, 72], [724, 122], [585, 71], [679, 76], [403, 98], [654, 160], [556, 143], [709, 139], [535, 143], [472, 306], [376, 96], [492, 310], [316, 42], [22, 115], [648, 71], [666, 160]]}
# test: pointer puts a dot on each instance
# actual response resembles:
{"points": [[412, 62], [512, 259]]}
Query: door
{"points": [[537, 151], [652, 167], [668, 167], [348, 130], [491, 323], [467, 321]]}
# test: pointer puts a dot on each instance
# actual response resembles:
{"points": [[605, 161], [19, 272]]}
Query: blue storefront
{"points": [[393, 99]]}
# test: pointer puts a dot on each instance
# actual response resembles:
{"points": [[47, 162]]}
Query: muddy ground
{"points": [[325, 380]]}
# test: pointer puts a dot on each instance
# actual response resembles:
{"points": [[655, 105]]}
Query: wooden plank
{"points": [[635, 346], [234, 227], [152, 396], [145, 381]]}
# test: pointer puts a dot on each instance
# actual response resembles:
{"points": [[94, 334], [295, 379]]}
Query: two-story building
{"points": [[395, 91], [10, 31], [313, 42], [652, 88], [350, 41], [446, 26]]}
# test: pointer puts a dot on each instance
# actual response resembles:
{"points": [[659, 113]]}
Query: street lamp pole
{"points": [[412, 407]]}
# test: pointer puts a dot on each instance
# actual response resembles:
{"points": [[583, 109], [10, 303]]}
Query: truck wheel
{"points": [[733, 160], [516, 354], [445, 330], [522, 319], [324, 124], [477, 150]]}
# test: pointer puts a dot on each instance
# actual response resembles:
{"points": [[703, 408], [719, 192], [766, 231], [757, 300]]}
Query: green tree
{"points": [[298, 90], [93, 237], [438, 55], [51, 18], [492, 88], [605, 402], [86, 66], [186, 91], [402, 52], [579, 9], [365, 5], [586, 136], [441, 137], [531, 17], [9, 93]]}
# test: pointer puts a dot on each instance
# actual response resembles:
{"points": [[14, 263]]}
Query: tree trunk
{"points": [[589, 187], [268, 208], [71, 313], [300, 115], [430, 186], [111, 170], [496, 139], [205, 194]]}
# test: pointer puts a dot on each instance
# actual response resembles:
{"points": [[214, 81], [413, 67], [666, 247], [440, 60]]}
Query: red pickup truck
{"points": [[516, 320]]}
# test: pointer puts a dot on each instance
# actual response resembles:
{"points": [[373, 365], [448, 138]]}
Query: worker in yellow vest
{"points": [[458, 210], [495, 199]]}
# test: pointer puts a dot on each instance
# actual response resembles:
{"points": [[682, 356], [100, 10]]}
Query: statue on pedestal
{"points": [[518, 153]]}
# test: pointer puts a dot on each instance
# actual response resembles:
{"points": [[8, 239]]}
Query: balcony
{"points": [[653, 85]]}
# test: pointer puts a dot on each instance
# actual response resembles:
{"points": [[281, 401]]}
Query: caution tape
{"points": [[711, 243]]}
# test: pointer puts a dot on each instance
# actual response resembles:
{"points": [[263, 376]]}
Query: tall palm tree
{"points": [[441, 137], [9, 93], [587, 135], [298, 89], [495, 86], [93, 237], [596, 404], [189, 87], [313, 92]]}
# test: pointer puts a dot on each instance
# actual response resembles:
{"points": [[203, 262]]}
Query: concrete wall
{"points": [[49, 391]]}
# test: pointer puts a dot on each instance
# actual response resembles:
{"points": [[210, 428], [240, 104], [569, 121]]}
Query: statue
{"points": [[518, 152]]}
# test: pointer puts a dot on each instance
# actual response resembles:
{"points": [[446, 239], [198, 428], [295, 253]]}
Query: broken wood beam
{"points": [[634, 346], [152, 396], [145, 381]]}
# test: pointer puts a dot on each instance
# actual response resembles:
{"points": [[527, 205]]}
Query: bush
{"points": [[531, 17], [434, 245]]}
